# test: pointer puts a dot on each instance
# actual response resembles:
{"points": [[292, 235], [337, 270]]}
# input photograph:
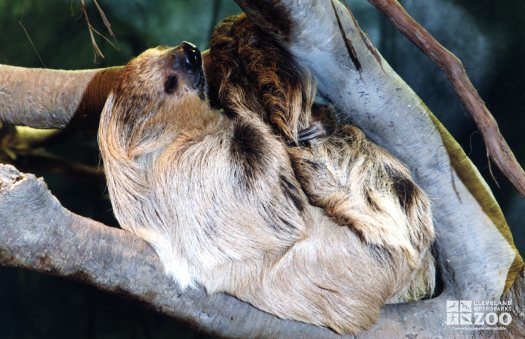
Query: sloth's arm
{"points": [[45, 98], [361, 186]]}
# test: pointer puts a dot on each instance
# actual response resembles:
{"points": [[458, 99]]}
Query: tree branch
{"points": [[45, 98], [497, 147]]}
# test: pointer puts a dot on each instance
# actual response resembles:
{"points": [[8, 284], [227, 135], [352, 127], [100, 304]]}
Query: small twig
{"points": [[490, 171], [31, 42], [57, 164], [497, 148], [96, 50], [92, 31], [107, 24], [471, 148]]}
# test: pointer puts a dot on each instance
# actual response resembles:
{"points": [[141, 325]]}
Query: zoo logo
{"points": [[479, 313]]}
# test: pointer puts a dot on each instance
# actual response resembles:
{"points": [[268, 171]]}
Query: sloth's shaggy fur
{"points": [[323, 232]]}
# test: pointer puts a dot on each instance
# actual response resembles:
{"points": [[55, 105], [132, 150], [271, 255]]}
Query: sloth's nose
{"points": [[192, 53], [188, 57]]}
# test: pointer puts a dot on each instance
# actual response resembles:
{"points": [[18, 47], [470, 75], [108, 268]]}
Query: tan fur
{"points": [[218, 197]]}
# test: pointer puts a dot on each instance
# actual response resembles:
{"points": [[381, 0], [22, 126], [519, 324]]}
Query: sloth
{"points": [[243, 185]]}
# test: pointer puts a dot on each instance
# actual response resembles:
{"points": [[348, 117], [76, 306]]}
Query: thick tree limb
{"points": [[44, 98], [497, 147]]}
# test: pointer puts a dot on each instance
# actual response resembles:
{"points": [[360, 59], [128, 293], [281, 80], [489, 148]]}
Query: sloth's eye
{"points": [[170, 85]]}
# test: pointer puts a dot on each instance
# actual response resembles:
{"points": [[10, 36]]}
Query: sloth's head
{"points": [[166, 72], [162, 90]]}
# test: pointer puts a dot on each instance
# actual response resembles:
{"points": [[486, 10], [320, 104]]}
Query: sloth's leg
{"points": [[360, 185]]}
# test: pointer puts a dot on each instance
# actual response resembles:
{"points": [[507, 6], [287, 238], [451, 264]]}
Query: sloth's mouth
{"points": [[200, 84]]}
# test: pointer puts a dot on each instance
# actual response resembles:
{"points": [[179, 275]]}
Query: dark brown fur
{"points": [[250, 72]]}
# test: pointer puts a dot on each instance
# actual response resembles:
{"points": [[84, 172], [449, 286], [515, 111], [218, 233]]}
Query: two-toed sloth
{"points": [[251, 200]]}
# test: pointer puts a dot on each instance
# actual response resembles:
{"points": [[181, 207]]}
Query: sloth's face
{"points": [[163, 88], [167, 71], [186, 73]]}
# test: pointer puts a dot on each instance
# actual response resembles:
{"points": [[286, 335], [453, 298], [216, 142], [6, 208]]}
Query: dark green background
{"points": [[486, 35]]}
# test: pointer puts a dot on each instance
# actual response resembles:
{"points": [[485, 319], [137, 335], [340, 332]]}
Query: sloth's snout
{"points": [[192, 55], [187, 58]]}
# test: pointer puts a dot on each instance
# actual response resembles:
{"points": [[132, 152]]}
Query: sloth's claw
{"points": [[315, 131]]}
